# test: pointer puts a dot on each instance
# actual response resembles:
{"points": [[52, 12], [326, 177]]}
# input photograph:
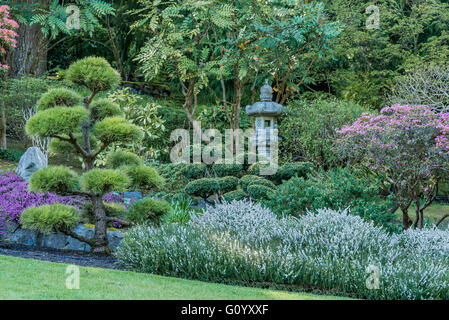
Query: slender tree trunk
{"points": [[100, 243], [406, 221], [4, 114], [30, 56], [3, 129]]}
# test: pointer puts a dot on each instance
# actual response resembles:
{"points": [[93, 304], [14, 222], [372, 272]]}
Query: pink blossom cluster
{"points": [[7, 34], [408, 143]]}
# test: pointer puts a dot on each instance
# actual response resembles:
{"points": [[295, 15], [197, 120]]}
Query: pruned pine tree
{"points": [[85, 127]]}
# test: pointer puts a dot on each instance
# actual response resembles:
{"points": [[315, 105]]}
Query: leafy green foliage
{"points": [[19, 95], [224, 47], [122, 158], [56, 121], [52, 18], [144, 178], [58, 97], [102, 181], [11, 155], [147, 210], [336, 189], [93, 73], [308, 131], [181, 211], [175, 181], [144, 113], [58, 179], [367, 61], [50, 218]]}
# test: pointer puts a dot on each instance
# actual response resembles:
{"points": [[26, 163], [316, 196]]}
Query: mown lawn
{"points": [[432, 214], [33, 279], [7, 166]]}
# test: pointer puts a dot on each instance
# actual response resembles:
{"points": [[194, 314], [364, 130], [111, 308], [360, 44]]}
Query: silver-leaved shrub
{"points": [[328, 249]]}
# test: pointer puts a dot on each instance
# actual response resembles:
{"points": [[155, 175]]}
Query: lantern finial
{"points": [[266, 92]]}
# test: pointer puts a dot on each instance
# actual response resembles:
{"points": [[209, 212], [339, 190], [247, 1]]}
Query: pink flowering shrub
{"points": [[7, 35], [408, 146]]}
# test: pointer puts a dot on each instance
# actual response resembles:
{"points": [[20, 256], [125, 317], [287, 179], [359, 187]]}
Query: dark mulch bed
{"points": [[60, 256]]}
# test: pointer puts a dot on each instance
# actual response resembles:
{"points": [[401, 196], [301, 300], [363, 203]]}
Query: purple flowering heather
{"points": [[15, 198]]}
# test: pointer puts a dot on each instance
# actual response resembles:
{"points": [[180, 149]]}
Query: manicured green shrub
{"points": [[102, 181], [144, 178], [202, 188], [116, 129], [223, 170], [94, 74], [56, 121], [75, 125], [262, 182], [335, 189], [59, 97], [103, 108], [259, 192], [245, 181], [147, 210], [227, 184], [11, 155], [122, 158], [194, 171], [291, 169], [114, 209], [50, 218], [234, 195], [58, 179]]}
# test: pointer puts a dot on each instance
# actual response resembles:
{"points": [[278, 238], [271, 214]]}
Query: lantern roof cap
{"points": [[266, 106]]}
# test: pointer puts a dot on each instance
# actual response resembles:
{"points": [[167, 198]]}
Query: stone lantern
{"points": [[266, 112]]}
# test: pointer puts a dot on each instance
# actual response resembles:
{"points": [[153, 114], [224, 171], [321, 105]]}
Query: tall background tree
{"points": [[8, 42], [41, 22], [229, 47]]}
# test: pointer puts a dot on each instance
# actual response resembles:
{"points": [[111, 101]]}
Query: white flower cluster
{"points": [[328, 249]]}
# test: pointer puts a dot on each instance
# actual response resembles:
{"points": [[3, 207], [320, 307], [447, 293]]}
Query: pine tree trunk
{"points": [[30, 56], [100, 245], [3, 129]]}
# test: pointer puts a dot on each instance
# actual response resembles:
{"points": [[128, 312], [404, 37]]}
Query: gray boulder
{"points": [[61, 241], [31, 161]]}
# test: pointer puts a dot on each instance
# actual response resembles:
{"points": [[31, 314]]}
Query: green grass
{"points": [[432, 214], [7, 165], [33, 279]]}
